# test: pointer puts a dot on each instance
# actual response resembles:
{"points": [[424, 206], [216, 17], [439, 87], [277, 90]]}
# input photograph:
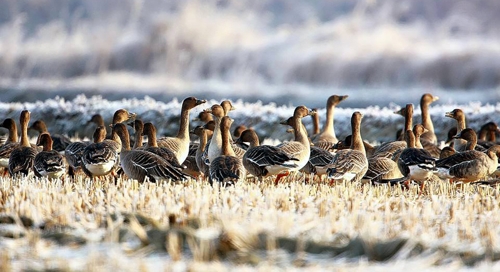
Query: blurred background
{"points": [[289, 52]]}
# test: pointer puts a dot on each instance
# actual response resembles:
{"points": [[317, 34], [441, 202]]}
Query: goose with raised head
{"points": [[152, 146], [226, 169], [10, 144], [318, 159], [327, 138], [21, 159], [214, 147], [459, 116], [300, 147], [470, 165], [138, 127], [350, 164], [425, 102], [203, 134], [100, 157], [180, 143], [59, 141], [487, 134], [264, 160], [48, 162], [227, 106], [140, 164]]}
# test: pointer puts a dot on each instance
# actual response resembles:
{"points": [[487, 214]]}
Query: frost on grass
{"points": [[103, 225]]}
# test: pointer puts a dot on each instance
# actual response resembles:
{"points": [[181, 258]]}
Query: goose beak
{"points": [[284, 122], [196, 119], [343, 97], [200, 101], [435, 98], [400, 111], [449, 114], [290, 130], [131, 115], [312, 112], [209, 110]]}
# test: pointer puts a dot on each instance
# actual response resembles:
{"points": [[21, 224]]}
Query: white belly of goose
{"points": [[4, 162], [101, 169], [418, 173]]}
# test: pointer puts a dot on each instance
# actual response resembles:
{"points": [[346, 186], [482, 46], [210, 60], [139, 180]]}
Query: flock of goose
{"points": [[413, 156]]}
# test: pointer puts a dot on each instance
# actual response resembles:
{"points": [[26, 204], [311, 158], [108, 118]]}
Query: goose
{"points": [[203, 134], [346, 144], [487, 134], [180, 144], [300, 147], [407, 112], [327, 138], [415, 163], [214, 147], [226, 169], [48, 163], [21, 158], [138, 127], [204, 116], [59, 142], [425, 101], [227, 106], [350, 164], [140, 164], [100, 157], [459, 116], [318, 159], [381, 168], [470, 165], [10, 144], [73, 155], [264, 160], [152, 146]]}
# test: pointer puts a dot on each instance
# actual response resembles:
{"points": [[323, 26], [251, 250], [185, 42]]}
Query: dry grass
{"points": [[128, 226]]}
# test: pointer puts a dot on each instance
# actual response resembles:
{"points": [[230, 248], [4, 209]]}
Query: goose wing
{"points": [[348, 164]]}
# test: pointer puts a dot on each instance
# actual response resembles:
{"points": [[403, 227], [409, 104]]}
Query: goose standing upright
{"points": [[226, 168], [300, 148], [459, 116], [327, 138], [425, 101], [350, 164], [48, 163], [10, 144], [22, 158], [180, 143], [139, 164]]}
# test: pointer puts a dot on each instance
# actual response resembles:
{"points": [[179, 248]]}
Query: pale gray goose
{"points": [[100, 157], [425, 102], [300, 147], [350, 164], [48, 163], [10, 144], [459, 116], [139, 164], [152, 146], [264, 160], [470, 165], [226, 169], [180, 143], [59, 141], [327, 138], [22, 158]]}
